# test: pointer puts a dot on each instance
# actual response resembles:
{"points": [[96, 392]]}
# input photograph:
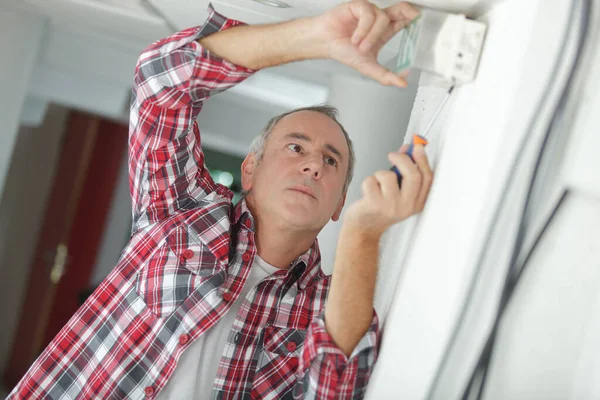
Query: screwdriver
{"points": [[421, 139]]}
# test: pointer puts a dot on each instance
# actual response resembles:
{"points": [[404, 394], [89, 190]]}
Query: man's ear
{"points": [[338, 210], [248, 166]]}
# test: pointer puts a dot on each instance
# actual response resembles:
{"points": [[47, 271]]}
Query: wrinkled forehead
{"points": [[316, 126]]}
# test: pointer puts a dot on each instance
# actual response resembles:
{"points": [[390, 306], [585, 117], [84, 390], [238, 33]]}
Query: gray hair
{"points": [[259, 143]]}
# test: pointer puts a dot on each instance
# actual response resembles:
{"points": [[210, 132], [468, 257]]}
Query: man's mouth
{"points": [[304, 189]]}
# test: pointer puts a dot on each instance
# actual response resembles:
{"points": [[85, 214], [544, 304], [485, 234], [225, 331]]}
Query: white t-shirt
{"points": [[196, 370]]}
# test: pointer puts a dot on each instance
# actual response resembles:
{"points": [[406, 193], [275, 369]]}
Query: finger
{"points": [[388, 182], [379, 27], [404, 74], [404, 148], [402, 13], [381, 74], [365, 15], [393, 28], [427, 174], [397, 26], [370, 188], [411, 176], [387, 35]]}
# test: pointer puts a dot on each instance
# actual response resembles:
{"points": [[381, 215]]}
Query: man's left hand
{"points": [[384, 203], [354, 32]]}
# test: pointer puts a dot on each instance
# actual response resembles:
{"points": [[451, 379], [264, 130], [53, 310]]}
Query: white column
{"points": [[376, 118], [20, 38]]}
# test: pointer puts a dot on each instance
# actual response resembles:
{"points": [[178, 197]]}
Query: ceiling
{"points": [[185, 13]]}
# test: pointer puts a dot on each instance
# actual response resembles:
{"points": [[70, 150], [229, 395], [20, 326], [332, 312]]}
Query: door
{"points": [[79, 201]]}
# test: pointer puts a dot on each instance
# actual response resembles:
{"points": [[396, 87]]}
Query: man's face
{"points": [[301, 177]]}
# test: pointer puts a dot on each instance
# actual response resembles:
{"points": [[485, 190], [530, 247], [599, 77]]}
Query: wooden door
{"points": [[91, 155]]}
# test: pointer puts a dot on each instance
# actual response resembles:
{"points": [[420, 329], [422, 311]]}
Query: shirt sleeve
{"points": [[173, 77], [327, 373]]}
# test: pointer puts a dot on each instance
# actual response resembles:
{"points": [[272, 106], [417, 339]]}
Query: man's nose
{"points": [[313, 166]]}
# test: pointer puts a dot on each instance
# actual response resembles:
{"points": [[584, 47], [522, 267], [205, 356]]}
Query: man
{"points": [[212, 300]]}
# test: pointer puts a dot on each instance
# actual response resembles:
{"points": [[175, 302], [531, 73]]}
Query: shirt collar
{"points": [[243, 216], [307, 266]]}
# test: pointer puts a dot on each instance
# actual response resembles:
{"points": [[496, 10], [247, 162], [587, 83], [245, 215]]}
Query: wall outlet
{"points": [[444, 44]]}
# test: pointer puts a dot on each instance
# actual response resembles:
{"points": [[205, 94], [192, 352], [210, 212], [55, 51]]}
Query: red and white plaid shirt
{"points": [[188, 257]]}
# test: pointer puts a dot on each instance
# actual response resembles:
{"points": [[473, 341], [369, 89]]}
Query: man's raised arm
{"points": [[173, 77], [262, 46]]}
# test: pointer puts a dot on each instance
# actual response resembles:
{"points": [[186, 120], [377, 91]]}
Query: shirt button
{"points": [[246, 257], [291, 346], [149, 391], [188, 254], [237, 338], [227, 296], [183, 339]]}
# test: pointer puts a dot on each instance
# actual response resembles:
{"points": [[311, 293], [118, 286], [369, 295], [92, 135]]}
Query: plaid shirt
{"points": [[189, 255]]}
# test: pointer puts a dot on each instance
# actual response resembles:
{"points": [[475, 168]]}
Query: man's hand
{"points": [[349, 309], [355, 32], [384, 203]]}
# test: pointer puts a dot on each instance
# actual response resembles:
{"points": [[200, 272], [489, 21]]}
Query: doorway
{"points": [[91, 152]]}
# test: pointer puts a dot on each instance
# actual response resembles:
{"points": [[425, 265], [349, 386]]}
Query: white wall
{"points": [[228, 122], [431, 337], [547, 345], [20, 38]]}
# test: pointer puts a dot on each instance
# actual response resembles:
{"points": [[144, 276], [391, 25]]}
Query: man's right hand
{"points": [[356, 31], [351, 33]]}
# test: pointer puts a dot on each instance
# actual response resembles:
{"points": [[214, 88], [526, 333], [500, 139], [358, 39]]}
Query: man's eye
{"points": [[331, 161], [295, 147]]}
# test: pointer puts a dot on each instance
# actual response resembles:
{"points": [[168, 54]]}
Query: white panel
{"points": [[542, 334], [394, 251], [582, 164], [585, 383], [485, 123], [19, 45], [33, 112], [547, 346], [544, 73]]}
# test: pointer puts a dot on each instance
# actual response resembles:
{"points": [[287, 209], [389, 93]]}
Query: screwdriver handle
{"points": [[417, 139]]}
